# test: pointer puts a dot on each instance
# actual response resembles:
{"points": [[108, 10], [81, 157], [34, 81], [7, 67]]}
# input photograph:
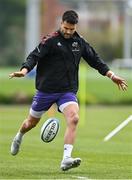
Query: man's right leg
{"points": [[27, 125], [36, 111]]}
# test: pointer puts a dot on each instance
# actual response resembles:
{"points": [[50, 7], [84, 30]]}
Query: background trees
{"points": [[12, 27]]}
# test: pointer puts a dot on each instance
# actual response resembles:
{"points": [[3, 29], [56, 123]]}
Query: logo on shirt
{"points": [[59, 44], [35, 103], [75, 46]]}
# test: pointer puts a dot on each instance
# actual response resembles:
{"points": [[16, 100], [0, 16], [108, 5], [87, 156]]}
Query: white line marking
{"points": [[118, 128], [80, 177]]}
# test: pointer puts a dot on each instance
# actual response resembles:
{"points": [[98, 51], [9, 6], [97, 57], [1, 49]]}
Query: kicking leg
{"points": [[27, 125]]}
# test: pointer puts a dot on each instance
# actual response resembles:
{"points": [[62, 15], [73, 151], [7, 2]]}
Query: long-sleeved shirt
{"points": [[57, 60]]}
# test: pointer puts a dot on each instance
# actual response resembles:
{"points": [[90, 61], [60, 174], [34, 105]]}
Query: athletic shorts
{"points": [[43, 101]]}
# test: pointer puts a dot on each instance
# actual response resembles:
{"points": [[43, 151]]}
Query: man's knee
{"points": [[71, 114], [74, 117]]}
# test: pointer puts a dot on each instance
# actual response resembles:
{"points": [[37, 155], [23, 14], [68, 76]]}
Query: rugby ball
{"points": [[49, 129]]}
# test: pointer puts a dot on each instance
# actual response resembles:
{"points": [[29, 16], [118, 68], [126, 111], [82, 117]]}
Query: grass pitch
{"points": [[39, 160]]}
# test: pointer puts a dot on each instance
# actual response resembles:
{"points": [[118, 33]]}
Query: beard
{"points": [[66, 35]]}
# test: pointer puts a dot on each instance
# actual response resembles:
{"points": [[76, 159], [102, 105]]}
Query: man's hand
{"points": [[121, 83], [21, 73]]}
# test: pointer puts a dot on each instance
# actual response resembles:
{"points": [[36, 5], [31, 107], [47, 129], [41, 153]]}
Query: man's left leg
{"points": [[71, 115]]}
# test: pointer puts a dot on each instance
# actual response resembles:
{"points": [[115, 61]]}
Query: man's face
{"points": [[67, 29]]}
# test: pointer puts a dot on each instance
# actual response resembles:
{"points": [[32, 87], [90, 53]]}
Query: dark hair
{"points": [[70, 17]]}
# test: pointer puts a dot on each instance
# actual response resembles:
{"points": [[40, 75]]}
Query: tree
{"points": [[12, 18]]}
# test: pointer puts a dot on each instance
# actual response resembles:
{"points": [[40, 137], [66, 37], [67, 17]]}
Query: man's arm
{"points": [[20, 73], [121, 83], [93, 59], [31, 61]]}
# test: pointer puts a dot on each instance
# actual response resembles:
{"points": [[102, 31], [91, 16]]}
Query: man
{"points": [[57, 58]]}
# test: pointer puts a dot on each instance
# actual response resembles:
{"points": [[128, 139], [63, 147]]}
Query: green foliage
{"points": [[108, 43], [39, 160], [12, 18]]}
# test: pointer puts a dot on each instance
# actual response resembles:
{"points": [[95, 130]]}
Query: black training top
{"points": [[57, 61]]}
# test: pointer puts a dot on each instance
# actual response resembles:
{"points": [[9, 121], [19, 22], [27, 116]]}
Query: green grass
{"points": [[39, 160], [15, 85]]}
